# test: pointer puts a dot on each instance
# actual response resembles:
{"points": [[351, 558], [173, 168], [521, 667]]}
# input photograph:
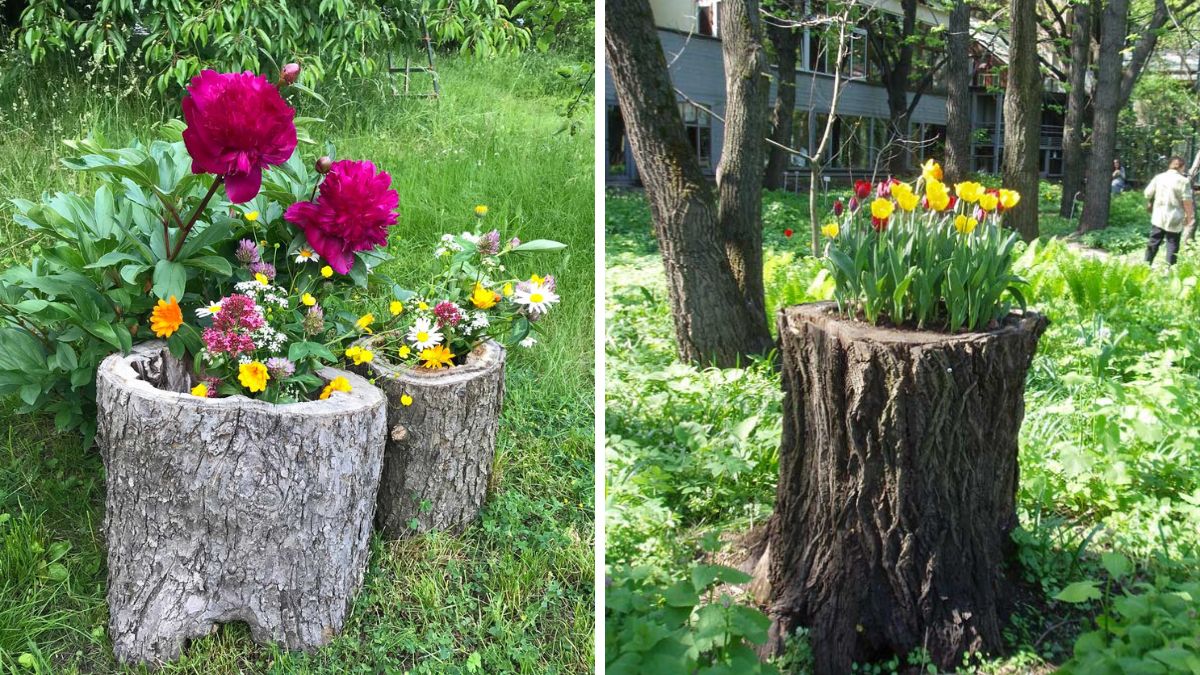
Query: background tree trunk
{"points": [[716, 301], [1023, 118], [1107, 104], [1081, 51], [957, 163], [440, 448], [897, 486], [222, 510], [786, 41]]}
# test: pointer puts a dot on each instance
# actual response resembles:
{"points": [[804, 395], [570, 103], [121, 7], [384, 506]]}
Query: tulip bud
{"points": [[290, 73], [853, 204], [837, 207], [324, 164]]}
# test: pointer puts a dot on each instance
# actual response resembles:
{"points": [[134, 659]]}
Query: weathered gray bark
{"points": [[897, 486], [232, 509], [440, 447], [958, 94], [1076, 117], [1023, 118]]}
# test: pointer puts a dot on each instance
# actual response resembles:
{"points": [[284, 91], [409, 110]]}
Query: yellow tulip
{"points": [[831, 230], [882, 209]]}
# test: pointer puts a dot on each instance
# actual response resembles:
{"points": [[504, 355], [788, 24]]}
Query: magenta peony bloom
{"points": [[237, 124], [352, 212]]}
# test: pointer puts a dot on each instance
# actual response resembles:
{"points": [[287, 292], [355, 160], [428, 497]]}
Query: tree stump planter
{"points": [[897, 486], [440, 447], [231, 509]]}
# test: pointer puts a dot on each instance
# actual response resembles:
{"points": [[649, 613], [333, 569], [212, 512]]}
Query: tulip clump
{"points": [[922, 255]]}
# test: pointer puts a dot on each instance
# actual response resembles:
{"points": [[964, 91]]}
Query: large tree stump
{"points": [[231, 509], [897, 486], [440, 447]]}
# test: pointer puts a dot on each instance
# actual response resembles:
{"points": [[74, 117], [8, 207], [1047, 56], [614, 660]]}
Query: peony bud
{"points": [[290, 73], [324, 164]]}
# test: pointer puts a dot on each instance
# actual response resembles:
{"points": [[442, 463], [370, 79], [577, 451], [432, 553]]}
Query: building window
{"points": [[697, 124], [800, 139], [615, 154], [706, 17]]}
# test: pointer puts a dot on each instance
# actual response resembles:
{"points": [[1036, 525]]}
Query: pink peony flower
{"points": [[237, 123], [352, 212]]}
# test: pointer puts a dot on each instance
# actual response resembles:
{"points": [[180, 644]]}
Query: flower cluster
{"points": [[922, 255], [472, 298]]}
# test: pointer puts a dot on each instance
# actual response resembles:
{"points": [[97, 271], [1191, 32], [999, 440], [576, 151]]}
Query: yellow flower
{"points": [[359, 355], [907, 200], [535, 279], [405, 350], [436, 357], [481, 210], [166, 318], [988, 201], [968, 191], [422, 305], [831, 230], [882, 209], [483, 298], [405, 400], [251, 216], [396, 307], [507, 290], [200, 390], [308, 299], [937, 196], [931, 170], [327, 271], [1009, 198], [253, 376], [364, 322], [336, 384], [964, 225], [261, 278]]}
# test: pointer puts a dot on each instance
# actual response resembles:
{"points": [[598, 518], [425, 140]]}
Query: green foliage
{"points": [[1160, 121], [681, 626]]}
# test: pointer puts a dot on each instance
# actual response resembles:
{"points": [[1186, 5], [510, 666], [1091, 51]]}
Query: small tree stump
{"points": [[440, 447], [231, 509], [897, 486]]}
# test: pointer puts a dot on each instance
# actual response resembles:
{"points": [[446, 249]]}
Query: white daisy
{"points": [[423, 335], [307, 255], [209, 310], [535, 296], [528, 342]]}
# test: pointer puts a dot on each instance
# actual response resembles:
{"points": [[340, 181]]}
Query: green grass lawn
{"points": [[512, 594], [1110, 445]]}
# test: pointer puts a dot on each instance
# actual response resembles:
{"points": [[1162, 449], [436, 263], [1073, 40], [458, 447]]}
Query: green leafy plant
{"points": [[681, 626]]}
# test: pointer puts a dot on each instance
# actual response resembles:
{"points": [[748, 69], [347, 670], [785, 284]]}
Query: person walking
{"points": [[1118, 177], [1169, 201]]}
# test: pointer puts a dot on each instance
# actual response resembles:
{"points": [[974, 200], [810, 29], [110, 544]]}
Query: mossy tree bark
{"points": [[221, 510], [441, 446], [897, 486]]}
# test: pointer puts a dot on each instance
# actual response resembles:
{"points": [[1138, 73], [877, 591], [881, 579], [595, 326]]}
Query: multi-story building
{"points": [[689, 31]]}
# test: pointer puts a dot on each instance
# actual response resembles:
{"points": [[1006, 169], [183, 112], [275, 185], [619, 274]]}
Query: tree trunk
{"points": [[440, 447], [1097, 191], [1023, 118], [231, 509], [1081, 51], [786, 42], [715, 320], [897, 486], [958, 95], [895, 156], [897, 71]]}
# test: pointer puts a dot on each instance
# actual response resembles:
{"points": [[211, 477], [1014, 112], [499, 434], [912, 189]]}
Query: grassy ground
{"points": [[514, 593], [1110, 446]]}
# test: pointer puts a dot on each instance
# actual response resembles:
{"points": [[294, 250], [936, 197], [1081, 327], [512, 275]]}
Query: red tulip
{"points": [[862, 189], [837, 207], [788, 233], [880, 224]]}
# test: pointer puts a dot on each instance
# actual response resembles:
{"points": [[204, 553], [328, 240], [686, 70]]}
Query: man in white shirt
{"points": [[1169, 200]]}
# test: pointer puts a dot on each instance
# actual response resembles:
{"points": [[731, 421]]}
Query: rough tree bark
{"points": [[1106, 104], [1080, 56], [440, 447], [957, 164], [897, 486], [1023, 118], [221, 510], [786, 41], [713, 283]]}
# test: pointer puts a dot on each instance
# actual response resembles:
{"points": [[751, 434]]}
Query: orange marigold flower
{"points": [[166, 318]]}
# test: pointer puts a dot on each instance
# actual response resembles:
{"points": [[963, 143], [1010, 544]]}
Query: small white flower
{"points": [[307, 255], [423, 334], [440, 251], [479, 320], [528, 342], [536, 297], [471, 237], [209, 310]]}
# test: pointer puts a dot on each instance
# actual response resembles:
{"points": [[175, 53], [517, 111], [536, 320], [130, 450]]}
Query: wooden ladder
{"points": [[409, 68]]}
